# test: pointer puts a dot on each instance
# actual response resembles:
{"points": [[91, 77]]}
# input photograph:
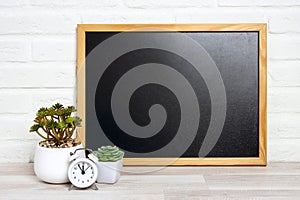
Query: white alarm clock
{"points": [[83, 172]]}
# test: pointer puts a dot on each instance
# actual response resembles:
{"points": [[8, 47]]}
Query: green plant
{"points": [[55, 124], [109, 154]]}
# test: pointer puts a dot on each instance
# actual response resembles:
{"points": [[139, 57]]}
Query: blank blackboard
{"points": [[194, 94]]}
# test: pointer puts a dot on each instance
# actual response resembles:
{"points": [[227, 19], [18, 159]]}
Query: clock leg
{"points": [[94, 186], [71, 187]]}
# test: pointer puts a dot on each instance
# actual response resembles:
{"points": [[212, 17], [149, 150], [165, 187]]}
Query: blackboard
{"points": [[174, 94]]}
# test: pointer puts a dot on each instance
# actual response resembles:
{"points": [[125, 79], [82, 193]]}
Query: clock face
{"points": [[82, 173]]}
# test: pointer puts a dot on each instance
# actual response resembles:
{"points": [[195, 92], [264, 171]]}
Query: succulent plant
{"points": [[55, 124], [109, 154]]}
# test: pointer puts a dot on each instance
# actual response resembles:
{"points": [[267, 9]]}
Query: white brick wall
{"points": [[38, 53], [48, 49], [14, 50]]}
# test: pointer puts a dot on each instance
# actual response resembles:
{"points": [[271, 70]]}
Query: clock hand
{"points": [[86, 169], [79, 167]]}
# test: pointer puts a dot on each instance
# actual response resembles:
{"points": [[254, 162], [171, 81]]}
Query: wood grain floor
{"points": [[276, 181]]}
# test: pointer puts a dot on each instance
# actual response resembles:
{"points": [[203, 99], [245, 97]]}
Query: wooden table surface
{"points": [[276, 181]]}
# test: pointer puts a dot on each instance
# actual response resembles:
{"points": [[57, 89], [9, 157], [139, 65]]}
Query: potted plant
{"points": [[55, 126], [110, 162]]}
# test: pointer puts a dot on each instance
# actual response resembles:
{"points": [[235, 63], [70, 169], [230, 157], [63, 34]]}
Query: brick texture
{"points": [[38, 54]]}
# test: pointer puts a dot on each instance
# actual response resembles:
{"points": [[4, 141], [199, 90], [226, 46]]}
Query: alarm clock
{"points": [[83, 172]]}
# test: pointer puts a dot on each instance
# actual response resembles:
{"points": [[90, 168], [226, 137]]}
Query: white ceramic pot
{"points": [[109, 172], [51, 164]]}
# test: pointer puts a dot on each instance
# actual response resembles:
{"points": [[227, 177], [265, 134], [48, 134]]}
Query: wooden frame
{"points": [[260, 28]]}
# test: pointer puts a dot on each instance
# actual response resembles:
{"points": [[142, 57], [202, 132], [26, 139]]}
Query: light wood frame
{"points": [[260, 28]]}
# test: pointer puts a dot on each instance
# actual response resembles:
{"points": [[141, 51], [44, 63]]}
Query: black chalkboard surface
{"points": [[195, 95]]}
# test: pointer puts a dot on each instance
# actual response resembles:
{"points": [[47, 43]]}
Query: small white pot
{"points": [[109, 172], [51, 164]]}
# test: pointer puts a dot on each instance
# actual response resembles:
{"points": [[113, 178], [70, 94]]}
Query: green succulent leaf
{"points": [[67, 112], [62, 125], [57, 106], [42, 122], [69, 120], [42, 112], [77, 121], [42, 109], [37, 119], [109, 154], [34, 128], [71, 108], [50, 124], [50, 111], [59, 112]]}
